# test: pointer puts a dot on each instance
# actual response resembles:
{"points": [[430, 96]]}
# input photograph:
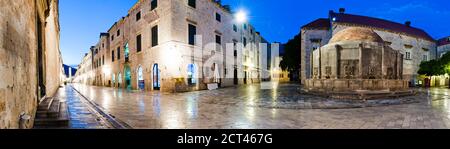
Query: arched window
{"points": [[156, 77]]}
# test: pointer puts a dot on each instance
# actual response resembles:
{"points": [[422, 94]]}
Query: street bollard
{"points": [[24, 119]]}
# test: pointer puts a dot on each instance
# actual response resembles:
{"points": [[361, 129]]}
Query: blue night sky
{"points": [[277, 20]]}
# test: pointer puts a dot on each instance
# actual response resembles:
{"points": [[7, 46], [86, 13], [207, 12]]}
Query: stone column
{"points": [[360, 60], [338, 61], [383, 71]]}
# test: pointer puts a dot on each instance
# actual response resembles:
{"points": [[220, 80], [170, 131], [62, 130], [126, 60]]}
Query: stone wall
{"points": [[308, 43], [443, 49], [345, 85], [18, 59]]}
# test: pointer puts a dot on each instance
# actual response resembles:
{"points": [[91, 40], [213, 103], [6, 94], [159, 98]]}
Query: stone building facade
{"points": [[30, 58], [174, 46], [415, 44], [443, 46]]}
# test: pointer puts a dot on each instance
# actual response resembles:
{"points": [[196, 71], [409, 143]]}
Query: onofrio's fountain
{"points": [[357, 64]]}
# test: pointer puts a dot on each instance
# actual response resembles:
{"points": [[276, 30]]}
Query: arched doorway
{"points": [[235, 77], [192, 74], [156, 77], [245, 77], [113, 80], [140, 79], [119, 78], [127, 73]]}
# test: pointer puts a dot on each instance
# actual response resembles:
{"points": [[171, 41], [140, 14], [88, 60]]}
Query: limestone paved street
{"points": [[246, 107], [81, 116]]}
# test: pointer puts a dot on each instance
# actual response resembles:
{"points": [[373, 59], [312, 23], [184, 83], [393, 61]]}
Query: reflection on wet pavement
{"points": [[81, 117], [240, 107]]}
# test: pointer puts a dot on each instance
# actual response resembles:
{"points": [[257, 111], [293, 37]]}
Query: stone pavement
{"points": [[240, 107], [81, 116]]}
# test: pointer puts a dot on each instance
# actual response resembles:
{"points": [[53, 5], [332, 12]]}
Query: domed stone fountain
{"points": [[357, 64]]}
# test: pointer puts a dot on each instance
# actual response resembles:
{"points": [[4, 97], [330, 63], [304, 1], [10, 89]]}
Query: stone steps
{"points": [[360, 95], [51, 113]]}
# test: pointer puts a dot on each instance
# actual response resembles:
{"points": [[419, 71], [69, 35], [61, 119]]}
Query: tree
{"points": [[291, 57], [429, 68], [437, 67]]}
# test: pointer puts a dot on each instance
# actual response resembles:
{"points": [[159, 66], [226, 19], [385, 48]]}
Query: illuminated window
{"points": [[127, 52], [141, 83], [191, 74]]}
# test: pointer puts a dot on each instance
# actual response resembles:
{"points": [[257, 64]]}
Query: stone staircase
{"points": [[52, 113]]}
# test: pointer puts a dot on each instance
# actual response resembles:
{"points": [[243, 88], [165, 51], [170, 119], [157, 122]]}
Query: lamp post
{"points": [[241, 18]]}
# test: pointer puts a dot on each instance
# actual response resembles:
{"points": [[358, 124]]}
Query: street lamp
{"points": [[241, 18]]}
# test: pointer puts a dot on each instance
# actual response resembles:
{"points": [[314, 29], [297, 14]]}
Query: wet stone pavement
{"points": [[80, 115], [250, 107]]}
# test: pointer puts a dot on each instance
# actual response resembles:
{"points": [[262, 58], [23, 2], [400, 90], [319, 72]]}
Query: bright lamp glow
{"points": [[241, 16]]}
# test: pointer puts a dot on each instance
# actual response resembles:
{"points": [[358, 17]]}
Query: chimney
{"points": [[341, 10], [408, 23]]}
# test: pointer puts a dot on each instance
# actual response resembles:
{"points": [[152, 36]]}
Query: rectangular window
{"points": [[192, 32], [118, 32], [138, 16], [154, 4], [234, 28], [408, 55], [191, 3], [138, 43], [245, 26], [235, 48], [218, 17], [103, 60], [112, 38], [218, 39], [154, 36], [112, 55], [245, 42], [118, 53], [425, 58]]}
